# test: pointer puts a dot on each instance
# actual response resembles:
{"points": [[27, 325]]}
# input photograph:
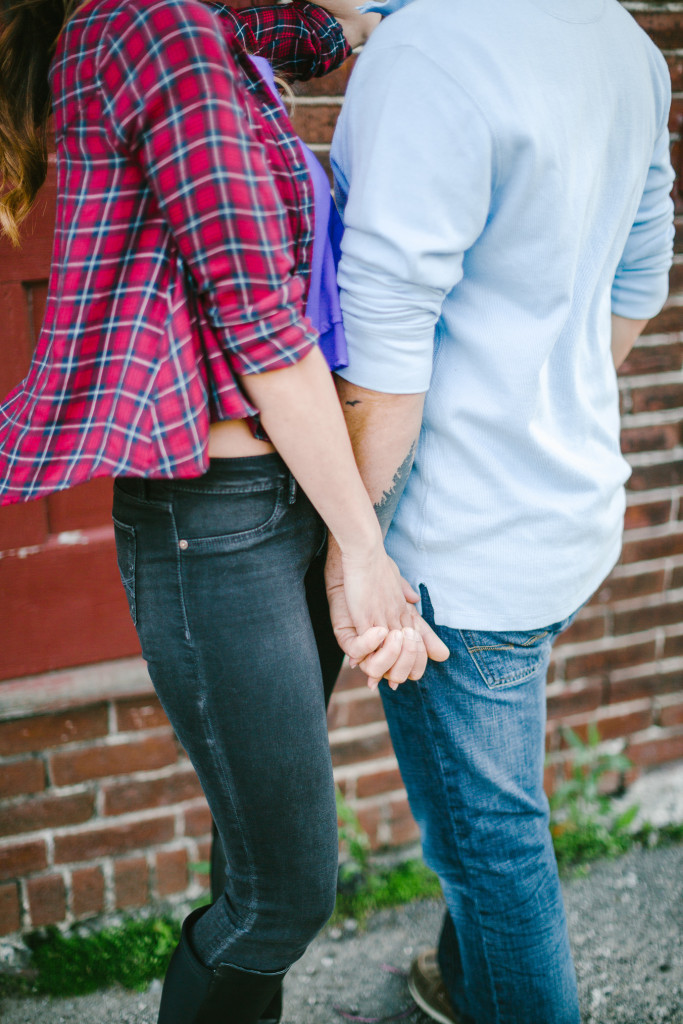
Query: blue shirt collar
{"points": [[383, 6]]}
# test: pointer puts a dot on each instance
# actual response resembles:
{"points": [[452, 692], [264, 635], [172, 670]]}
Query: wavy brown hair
{"points": [[29, 30]]}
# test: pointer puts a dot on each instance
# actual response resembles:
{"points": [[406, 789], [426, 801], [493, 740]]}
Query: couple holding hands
{"points": [[502, 175]]}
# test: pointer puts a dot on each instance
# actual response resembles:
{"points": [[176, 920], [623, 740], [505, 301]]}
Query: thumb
{"points": [[358, 647]]}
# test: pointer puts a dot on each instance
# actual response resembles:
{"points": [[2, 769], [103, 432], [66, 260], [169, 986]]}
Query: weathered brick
{"points": [[670, 320], [670, 711], [663, 474], [574, 699], [658, 749], [68, 768], [639, 584], [197, 821], [378, 782], [649, 548], [611, 725], [333, 84], [650, 683], [602, 662], [125, 797], [22, 735], [675, 62], [655, 398], [19, 859], [355, 712], [361, 748], [131, 882], [10, 908], [403, 828], [316, 123], [673, 648], [350, 679], [46, 900], [665, 28], [651, 513], [112, 839], [171, 871], [21, 777], [639, 619], [87, 891], [139, 713], [654, 358], [369, 818], [48, 811], [677, 578], [585, 627]]}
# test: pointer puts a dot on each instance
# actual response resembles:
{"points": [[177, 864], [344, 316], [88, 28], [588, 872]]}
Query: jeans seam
{"points": [[218, 762], [456, 852]]}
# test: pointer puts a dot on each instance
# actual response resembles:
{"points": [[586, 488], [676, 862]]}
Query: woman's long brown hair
{"points": [[29, 30]]}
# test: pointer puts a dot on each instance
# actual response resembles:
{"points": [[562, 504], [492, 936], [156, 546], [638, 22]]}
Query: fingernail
{"points": [[394, 686], [352, 662]]}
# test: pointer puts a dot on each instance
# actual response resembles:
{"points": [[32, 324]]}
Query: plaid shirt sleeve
{"points": [[174, 95], [299, 39]]}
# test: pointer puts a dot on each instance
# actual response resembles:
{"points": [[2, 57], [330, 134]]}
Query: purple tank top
{"points": [[322, 307]]}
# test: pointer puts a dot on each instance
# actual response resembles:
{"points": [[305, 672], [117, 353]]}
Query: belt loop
{"points": [[292, 489]]}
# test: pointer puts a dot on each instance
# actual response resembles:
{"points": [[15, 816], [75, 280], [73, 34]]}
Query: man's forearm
{"points": [[384, 431], [625, 333]]}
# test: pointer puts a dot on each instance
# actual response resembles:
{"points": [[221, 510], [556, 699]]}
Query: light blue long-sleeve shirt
{"points": [[503, 170]]}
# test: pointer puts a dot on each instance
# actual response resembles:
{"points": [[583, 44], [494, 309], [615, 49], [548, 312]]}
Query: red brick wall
{"points": [[99, 807]]}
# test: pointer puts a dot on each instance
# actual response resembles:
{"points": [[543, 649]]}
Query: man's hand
{"points": [[397, 654]]}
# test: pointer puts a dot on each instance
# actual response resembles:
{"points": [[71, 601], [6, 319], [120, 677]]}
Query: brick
{"points": [[676, 272], [656, 398], [611, 726], [171, 872], [109, 840], [87, 891], [362, 748], [652, 513], [654, 358], [10, 909], [350, 679], [603, 662], [677, 578], [46, 812], [197, 821], [21, 777], [584, 628], [658, 750], [670, 711], [354, 712], [122, 798], [675, 62], [316, 124], [22, 858], [403, 826], [663, 474], [673, 648], [333, 84], [136, 714], [640, 619], [640, 584], [22, 735], [46, 900], [575, 699], [649, 548], [652, 682], [378, 782], [664, 28], [369, 818], [131, 882], [147, 754], [670, 320], [654, 438]]}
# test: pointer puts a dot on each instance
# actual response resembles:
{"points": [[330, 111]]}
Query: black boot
{"points": [[195, 994], [273, 1012]]}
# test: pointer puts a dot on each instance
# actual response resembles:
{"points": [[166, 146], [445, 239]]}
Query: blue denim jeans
{"points": [[225, 584], [469, 738]]}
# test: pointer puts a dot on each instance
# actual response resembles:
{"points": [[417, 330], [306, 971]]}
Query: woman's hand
{"points": [[356, 26]]}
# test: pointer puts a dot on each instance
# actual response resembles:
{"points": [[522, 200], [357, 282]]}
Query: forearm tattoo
{"points": [[386, 506]]}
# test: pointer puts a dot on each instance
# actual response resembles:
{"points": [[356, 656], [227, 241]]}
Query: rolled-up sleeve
{"points": [[176, 98], [413, 159], [641, 283]]}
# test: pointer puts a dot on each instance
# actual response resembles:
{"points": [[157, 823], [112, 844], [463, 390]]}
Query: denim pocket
{"points": [[224, 520], [125, 556], [509, 658]]}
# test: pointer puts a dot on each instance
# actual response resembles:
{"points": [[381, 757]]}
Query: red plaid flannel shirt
{"points": [[177, 175]]}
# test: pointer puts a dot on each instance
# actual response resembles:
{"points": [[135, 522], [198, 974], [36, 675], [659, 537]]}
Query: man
{"points": [[503, 171]]}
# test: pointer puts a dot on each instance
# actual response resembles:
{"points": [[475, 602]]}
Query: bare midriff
{"points": [[232, 439]]}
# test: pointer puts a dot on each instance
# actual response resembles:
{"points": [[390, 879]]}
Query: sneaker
{"points": [[428, 990]]}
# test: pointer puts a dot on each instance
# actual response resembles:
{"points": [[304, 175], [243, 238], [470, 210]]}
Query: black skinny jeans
{"points": [[224, 579]]}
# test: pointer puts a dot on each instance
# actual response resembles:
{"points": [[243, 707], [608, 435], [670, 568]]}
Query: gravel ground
{"points": [[626, 923]]}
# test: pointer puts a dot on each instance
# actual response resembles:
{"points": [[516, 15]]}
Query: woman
{"points": [[175, 355]]}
